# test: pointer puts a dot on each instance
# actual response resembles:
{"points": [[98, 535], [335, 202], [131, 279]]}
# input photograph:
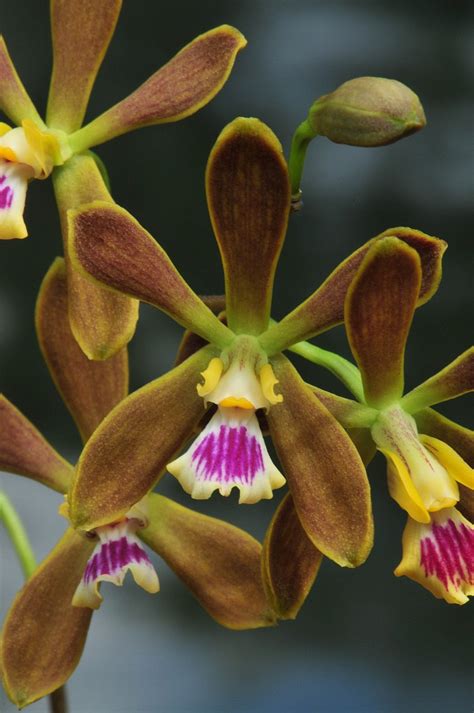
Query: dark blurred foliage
{"points": [[365, 641]]}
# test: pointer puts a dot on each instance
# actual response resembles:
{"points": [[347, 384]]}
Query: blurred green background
{"points": [[365, 641]]}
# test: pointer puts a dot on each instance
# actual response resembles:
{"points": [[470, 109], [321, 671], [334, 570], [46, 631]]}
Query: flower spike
{"points": [[248, 196], [81, 32]]}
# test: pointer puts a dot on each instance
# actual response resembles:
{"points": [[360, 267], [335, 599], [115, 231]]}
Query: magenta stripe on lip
{"points": [[112, 557], [449, 553], [6, 195], [230, 454]]}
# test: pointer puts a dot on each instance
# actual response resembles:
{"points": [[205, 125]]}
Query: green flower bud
{"points": [[367, 111]]}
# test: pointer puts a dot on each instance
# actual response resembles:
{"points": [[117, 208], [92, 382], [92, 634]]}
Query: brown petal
{"points": [[108, 244], [248, 194], [218, 562], [23, 450], [183, 86], [126, 455], [102, 321], [325, 307], [90, 389], [14, 100], [379, 310], [191, 342], [325, 473], [81, 32], [43, 635], [290, 561]]}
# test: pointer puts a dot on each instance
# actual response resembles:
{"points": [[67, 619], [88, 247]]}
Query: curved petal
{"points": [[379, 310], [218, 562], [125, 456], [14, 99], [102, 321], [325, 473], [248, 194], [290, 561], [90, 389], [24, 451], [450, 460], [183, 86], [81, 32], [325, 307], [454, 380], [44, 635], [108, 244]]}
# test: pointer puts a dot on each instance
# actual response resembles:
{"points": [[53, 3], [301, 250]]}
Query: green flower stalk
{"points": [[81, 31], [241, 373], [45, 630], [429, 458]]}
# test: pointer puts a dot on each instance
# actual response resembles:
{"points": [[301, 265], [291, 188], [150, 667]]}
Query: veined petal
{"points": [[248, 194], [183, 86], [44, 635], [440, 555], [454, 380], [117, 552], [13, 185], [325, 473], [290, 561], [81, 31], [102, 321], [24, 451], [108, 244], [379, 310], [325, 307], [90, 389], [126, 455], [218, 562], [230, 452], [14, 100]]}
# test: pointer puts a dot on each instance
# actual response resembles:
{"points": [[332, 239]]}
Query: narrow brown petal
{"points": [[218, 562], [102, 321], [126, 455], [379, 310], [44, 635], [325, 307], [454, 380], [458, 437], [325, 473], [90, 389], [81, 32], [248, 194], [183, 86], [290, 561], [108, 244], [23, 450], [14, 100]]}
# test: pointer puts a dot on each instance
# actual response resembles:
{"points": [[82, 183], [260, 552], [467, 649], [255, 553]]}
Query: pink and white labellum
{"points": [[440, 555], [230, 451], [13, 184], [118, 551]]}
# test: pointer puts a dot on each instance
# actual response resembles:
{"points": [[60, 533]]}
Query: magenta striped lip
{"points": [[6, 195], [448, 554], [229, 454], [112, 557]]}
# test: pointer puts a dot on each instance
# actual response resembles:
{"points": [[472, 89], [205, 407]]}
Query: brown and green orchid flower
{"points": [[243, 372], [45, 630], [429, 458], [81, 32]]}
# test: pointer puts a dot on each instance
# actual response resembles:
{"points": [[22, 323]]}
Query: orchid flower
{"points": [[241, 372], [81, 32], [45, 630], [429, 458]]}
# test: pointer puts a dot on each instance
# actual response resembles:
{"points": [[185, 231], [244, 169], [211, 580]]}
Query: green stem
{"points": [[342, 369], [299, 145]]}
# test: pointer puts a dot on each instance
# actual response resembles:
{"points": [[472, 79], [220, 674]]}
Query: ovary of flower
{"points": [[421, 479], [117, 551], [26, 152], [230, 451]]}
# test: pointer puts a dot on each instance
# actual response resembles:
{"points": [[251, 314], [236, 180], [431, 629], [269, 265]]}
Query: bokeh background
{"points": [[365, 641]]}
